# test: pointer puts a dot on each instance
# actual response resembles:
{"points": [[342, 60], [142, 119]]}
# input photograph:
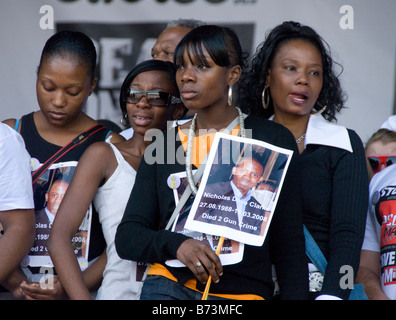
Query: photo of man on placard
{"points": [[239, 189], [230, 203], [45, 217], [49, 191]]}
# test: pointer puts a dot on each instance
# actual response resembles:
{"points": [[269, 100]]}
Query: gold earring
{"points": [[265, 98], [230, 95], [123, 120]]}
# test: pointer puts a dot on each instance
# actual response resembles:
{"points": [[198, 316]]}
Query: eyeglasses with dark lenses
{"points": [[377, 161], [154, 98]]}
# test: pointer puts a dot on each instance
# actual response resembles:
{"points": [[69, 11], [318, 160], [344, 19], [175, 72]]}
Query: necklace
{"points": [[300, 139], [191, 133]]}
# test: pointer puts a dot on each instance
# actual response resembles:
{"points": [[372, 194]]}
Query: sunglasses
{"points": [[154, 98], [377, 161]]}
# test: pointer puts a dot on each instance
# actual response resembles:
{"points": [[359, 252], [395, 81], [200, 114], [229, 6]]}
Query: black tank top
{"points": [[42, 150]]}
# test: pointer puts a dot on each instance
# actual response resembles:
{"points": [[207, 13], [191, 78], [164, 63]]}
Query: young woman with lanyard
{"points": [[59, 133], [209, 61]]}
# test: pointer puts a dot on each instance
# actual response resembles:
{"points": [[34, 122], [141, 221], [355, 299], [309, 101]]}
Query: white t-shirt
{"points": [[16, 190], [380, 235]]}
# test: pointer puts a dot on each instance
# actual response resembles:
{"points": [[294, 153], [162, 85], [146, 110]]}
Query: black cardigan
{"points": [[140, 235], [335, 199]]}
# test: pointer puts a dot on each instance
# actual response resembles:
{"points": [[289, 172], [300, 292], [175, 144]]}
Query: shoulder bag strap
{"points": [[314, 253], [40, 171]]}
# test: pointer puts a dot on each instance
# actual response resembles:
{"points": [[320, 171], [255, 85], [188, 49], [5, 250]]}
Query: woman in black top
{"points": [[292, 82], [65, 80], [209, 61]]}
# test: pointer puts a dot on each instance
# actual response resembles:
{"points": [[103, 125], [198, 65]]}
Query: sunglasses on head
{"points": [[377, 161], [154, 98]]}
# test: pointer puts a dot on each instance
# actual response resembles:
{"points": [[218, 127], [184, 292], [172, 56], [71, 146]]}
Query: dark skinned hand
{"points": [[201, 260]]}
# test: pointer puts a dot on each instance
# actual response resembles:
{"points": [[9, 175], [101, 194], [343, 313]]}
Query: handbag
{"points": [[319, 260]]}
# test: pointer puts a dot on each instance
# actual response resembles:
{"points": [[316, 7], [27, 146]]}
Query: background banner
{"points": [[361, 35]]}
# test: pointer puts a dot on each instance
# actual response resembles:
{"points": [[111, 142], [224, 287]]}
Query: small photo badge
{"points": [[25, 262], [173, 182], [83, 263], [375, 198], [34, 164]]}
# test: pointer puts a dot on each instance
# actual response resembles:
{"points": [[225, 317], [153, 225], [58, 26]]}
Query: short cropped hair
{"points": [[74, 44]]}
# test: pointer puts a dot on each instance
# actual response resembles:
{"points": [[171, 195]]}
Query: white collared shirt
{"points": [[240, 201], [50, 215], [323, 132]]}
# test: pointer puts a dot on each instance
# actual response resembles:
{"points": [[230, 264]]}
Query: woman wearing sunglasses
{"points": [[106, 174], [209, 61], [292, 82]]}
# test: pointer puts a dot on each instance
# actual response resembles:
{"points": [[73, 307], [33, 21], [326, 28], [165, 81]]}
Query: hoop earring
{"points": [[230, 96], [319, 111], [123, 120], [265, 98]]}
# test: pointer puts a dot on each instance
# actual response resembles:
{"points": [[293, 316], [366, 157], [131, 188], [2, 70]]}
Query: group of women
{"points": [[288, 96]]}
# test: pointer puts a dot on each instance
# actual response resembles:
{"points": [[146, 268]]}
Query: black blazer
{"points": [[335, 202]]}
